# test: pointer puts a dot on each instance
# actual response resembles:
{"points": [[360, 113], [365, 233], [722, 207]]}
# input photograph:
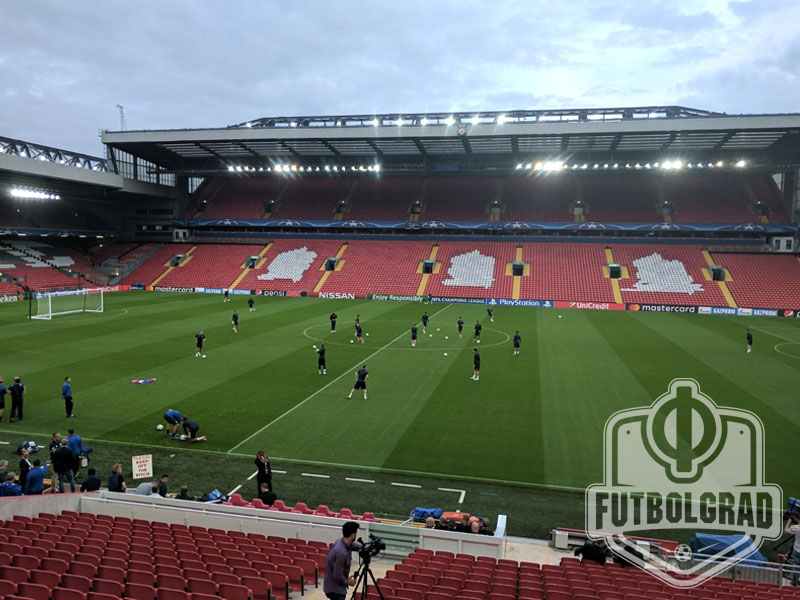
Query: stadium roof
{"points": [[472, 141]]}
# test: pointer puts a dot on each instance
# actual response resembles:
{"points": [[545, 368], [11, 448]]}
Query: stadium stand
{"points": [[41, 265], [242, 199], [458, 199], [210, 266], [385, 199], [537, 199], [472, 270], [633, 198], [762, 280], [202, 196], [571, 272], [121, 254], [155, 266], [312, 198]]}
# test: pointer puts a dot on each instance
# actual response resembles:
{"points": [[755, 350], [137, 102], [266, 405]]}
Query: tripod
{"points": [[361, 579]]}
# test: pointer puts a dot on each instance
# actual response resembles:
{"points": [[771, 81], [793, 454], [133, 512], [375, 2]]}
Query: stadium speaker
{"points": [[517, 269], [614, 271], [427, 266], [717, 273], [330, 264]]}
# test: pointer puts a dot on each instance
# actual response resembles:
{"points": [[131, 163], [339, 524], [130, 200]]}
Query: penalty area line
{"points": [[324, 387]]}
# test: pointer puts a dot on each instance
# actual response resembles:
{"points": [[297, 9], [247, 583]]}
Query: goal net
{"points": [[65, 302]]}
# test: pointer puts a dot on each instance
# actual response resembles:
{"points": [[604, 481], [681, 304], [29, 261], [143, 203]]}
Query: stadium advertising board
{"points": [[395, 297], [169, 288], [590, 305], [791, 313], [9, 298], [457, 300], [670, 308], [275, 293], [337, 295], [757, 312], [518, 302]]}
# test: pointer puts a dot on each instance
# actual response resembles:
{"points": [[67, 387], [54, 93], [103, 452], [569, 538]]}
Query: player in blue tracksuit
{"points": [[173, 418]]}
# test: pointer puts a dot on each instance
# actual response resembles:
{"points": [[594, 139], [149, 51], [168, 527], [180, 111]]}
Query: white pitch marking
{"points": [[461, 493], [6, 443], [253, 475], [411, 485], [315, 475], [234, 490], [354, 479], [277, 471], [326, 386]]}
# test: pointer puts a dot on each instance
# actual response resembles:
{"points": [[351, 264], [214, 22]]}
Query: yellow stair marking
{"points": [[517, 283], [423, 283], [327, 274], [723, 287], [160, 277], [614, 282], [245, 271], [169, 268]]}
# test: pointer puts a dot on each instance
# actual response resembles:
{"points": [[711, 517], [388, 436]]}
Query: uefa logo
{"points": [[684, 463]]}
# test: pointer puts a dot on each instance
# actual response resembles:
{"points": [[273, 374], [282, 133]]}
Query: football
{"points": [[160, 427], [445, 353], [204, 355], [367, 335], [183, 438], [351, 341], [447, 338]]}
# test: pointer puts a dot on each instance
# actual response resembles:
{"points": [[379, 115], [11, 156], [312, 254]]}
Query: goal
{"points": [[65, 302]]}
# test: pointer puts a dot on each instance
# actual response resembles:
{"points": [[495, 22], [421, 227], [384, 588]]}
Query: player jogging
{"points": [[250, 303], [235, 321], [477, 336], [517, 340], [361, 382], [490, 310], [333, 318], [173, 419], [359, 334], [225, 296], [190, 429], [199, 337], [414, 335], [425, 318], [749, 341], [322, 368], [358, 323], [476, 365], [460, 327]]}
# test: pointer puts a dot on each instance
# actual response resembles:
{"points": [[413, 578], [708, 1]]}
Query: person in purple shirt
{"points": [[337, 567]]}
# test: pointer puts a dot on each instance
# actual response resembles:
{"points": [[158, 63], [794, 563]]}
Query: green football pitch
{"points": [[535, 419]]}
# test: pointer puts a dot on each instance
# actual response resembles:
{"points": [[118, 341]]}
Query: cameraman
{"points": [[337, 568], [793, 528]]}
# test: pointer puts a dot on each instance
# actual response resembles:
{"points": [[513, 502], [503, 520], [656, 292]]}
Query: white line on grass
{"points": [[315, 475], [411, 485], [356, 479], [461, 493], [6, 443], [324, 387], [253, 475], [234, 490], [774, 334]]}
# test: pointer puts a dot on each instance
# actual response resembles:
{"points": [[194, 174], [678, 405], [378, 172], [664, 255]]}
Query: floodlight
{"points": [[375, 122], [399, 121], [260, 169], [596, 166], [741, 164], [369, 168], [424, 121], [575, 166], [230, 168], [449, 121], [519, 166], [605, 166], [677, 164], [294, 168], [538, 166], [239, 169], [646, 165], [248, 124], [317, 169], [616, 165], [720, 163], [328, 168], [584, 166], [338, 123], [352, 168], [638, 166], [302, 169], [475, 120], [377, 168], [335, 168], [501, 119], [362, 169], [293, 124], [42, 157]]}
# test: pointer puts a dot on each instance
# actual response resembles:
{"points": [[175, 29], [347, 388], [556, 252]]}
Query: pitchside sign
{"points": [[684, 463], [142, 466]]}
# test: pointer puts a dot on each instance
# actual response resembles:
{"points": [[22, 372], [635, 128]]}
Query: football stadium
{"points": [[211, 293]]}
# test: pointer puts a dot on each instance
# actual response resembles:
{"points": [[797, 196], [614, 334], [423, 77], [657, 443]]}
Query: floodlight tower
{"points": [[122, 124]]}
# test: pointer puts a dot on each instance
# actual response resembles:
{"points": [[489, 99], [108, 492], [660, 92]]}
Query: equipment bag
{"points": [[420, 514]]}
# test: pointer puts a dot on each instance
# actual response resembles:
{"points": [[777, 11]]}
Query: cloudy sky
{"points": [[64, 66]]}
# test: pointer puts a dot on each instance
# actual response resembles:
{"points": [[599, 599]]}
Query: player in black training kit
{"points": [[460, 327], [199, 342], [478, 327], [235, 321], [490, 310], [322, 368], [250, 303], [333, 318], [358, 323], [517, 340], [361, 382], [476, 365], [359, 335], [749, 341], [414, 335], [425, 322]]}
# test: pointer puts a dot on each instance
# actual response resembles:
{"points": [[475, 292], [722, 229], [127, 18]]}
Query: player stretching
{"points": [[460, 327], [749, 341], [414, 335], [322, 365], [425, 318], [517, 340], [477, 337], [235, 321], [476, 365], [361, 382], [359, 334], [333, 318], [199, 343]]}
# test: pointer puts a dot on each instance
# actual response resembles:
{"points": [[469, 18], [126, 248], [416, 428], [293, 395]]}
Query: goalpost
{"points": [[65, 302]]}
